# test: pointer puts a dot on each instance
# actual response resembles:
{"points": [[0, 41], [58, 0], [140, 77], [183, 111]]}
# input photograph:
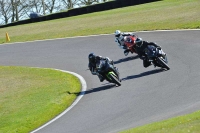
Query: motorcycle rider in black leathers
{"points": [[140, 49], [93, 59]]}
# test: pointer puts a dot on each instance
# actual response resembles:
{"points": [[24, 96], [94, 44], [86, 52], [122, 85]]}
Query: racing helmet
{"points": [[128, 39], [91, 57], [139, 42], [117, 33]]}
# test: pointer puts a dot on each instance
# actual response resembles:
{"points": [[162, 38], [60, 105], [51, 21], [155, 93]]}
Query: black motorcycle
{"points": [[107, 71], [157, 56]]}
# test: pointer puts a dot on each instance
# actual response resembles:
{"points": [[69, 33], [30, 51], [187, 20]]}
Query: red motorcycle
{"points": [[129, 42]]}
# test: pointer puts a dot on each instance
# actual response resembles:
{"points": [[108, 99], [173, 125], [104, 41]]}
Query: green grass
{"points": [[166, 14], [29, 97], [182, 124]]}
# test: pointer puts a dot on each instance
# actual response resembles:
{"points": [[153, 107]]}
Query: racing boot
{"points": [[146, 62], [101, 78]]}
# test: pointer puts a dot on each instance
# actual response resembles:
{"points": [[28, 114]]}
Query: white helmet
{"points": [[117, 33]]}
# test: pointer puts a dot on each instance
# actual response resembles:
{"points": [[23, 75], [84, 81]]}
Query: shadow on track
{"points": [[143, 74], [126, 59], [102, 88]]}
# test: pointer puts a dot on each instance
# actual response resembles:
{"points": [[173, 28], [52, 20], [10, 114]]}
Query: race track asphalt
{"points": [[146, 95]]}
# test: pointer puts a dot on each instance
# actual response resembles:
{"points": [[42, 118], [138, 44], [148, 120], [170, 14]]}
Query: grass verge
{"points": [[29, 97], [166, 14], [182, 124]]}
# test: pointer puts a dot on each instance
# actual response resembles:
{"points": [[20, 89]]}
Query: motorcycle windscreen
{"points": [[100, 64]]}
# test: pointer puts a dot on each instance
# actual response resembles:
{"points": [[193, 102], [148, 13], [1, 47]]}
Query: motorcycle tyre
{"points": [[162, 63], [115, 79]]}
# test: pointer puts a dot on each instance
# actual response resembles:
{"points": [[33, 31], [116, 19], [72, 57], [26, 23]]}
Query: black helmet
{"points": [[91, 57], [139, 42]]}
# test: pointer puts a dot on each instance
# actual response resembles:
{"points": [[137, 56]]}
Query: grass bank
{"points": [[29, 97], [166, 14], [182, 124]]}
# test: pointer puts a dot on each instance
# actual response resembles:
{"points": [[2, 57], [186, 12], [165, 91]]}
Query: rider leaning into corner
{"points": [[140, 47], [120, 38], [93, 59]]}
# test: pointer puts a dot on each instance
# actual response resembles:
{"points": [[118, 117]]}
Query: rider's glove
{"points": [[94, 72]]}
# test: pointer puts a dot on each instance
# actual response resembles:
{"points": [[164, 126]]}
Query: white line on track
{"points": [[84, 86]]}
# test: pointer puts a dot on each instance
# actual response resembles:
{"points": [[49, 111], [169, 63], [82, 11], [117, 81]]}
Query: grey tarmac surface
{"points": [[146, 95]]}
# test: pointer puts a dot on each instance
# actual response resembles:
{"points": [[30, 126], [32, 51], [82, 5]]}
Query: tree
{"points": [[5, 11], [19, 9], [69, 4], [51, 6], [90, 2], [87, 2], [15, 10], [44, 6]]}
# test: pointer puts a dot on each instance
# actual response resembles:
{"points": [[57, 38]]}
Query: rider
{"points": [[120, 38], [140, 47], [93, 59]]}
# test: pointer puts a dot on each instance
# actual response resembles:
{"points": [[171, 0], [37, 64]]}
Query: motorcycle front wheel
{"points": [[162, 63], [114, 79]]}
